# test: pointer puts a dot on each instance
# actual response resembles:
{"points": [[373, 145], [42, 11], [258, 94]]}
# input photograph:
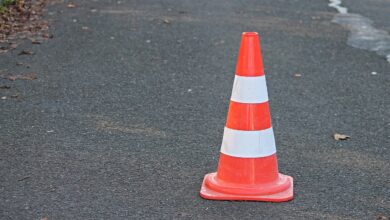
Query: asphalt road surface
{"points": [[128, 110]]}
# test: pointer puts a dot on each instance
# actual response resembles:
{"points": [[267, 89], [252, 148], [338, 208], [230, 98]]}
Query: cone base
{"points": [[286, 195]]}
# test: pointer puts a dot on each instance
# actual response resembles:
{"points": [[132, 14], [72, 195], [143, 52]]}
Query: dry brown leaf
{"points": [[28, 76], [382, 217], [71, 5], [22, 64], [340, 137], [26, 52], [13, 45], [47, 36], [35, 41], [5, 87], [14, 96]]}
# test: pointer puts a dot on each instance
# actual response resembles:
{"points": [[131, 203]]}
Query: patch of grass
{"points": [[4, 4], [2, 9]]}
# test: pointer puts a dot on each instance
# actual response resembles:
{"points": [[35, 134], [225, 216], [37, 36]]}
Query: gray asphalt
{"points": [[127, 113]]}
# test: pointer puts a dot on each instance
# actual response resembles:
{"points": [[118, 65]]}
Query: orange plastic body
{"points": [[249, 117], [256, 179]]}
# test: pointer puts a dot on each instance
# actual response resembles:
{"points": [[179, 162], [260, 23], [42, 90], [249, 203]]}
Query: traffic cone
{"points": [[248, 168]]}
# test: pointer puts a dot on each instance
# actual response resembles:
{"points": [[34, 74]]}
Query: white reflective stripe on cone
{"points": [[249, 89], [248, 144]]}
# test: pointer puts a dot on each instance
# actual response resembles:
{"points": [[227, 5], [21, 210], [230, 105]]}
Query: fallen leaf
{"points": [[26, 52], [5, 87], [71, 5], [382, 217], [28, 76], [47, 36], [22, 64], [13, 45], [35, 41], [14, 96], [340, 137]]}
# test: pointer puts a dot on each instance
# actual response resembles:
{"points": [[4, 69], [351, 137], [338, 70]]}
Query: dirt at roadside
{"points": [[22, 19]]}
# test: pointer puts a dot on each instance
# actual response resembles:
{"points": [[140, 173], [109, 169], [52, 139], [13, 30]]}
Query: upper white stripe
{"points": [[249, 89], [248, 144]]}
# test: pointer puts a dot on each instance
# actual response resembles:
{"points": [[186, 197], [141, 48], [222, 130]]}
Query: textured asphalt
{"points": [[128, 111]]}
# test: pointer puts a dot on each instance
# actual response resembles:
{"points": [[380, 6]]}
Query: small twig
{"points": [[24, 178]]}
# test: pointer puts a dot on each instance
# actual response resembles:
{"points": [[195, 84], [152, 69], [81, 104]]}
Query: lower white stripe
{"points": [[249, 89], [248, 144]]}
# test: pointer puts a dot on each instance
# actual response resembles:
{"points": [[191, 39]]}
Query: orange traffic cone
{"points": [[248, 168]]}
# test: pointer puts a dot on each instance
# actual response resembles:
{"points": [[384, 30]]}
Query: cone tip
{"points": [[250, 34], [249, 61]]}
